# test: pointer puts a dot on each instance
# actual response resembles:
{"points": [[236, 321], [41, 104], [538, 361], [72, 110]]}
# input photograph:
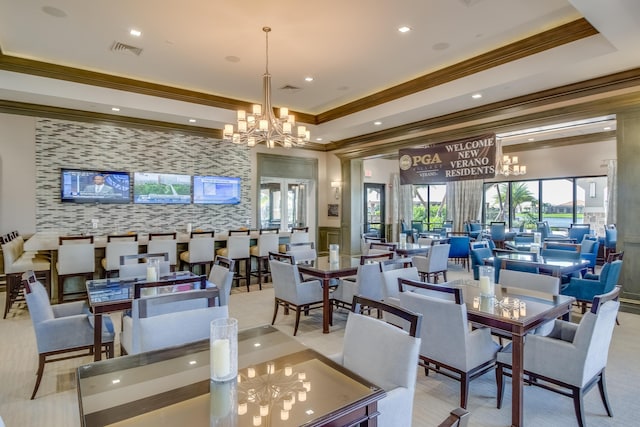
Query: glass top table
{"points": [[296, 386]]}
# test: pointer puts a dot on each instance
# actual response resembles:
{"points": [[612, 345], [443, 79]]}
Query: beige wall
{"points": [[17, 178]]}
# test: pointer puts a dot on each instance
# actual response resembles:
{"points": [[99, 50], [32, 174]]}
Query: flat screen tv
{"points": [[216, 190], [94, 186], [161, 188]]}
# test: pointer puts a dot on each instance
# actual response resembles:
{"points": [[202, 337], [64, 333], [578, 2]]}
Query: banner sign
{"points": [[470, 158]]}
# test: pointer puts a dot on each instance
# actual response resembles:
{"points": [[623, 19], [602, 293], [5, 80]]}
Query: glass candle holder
{"points": [[486, 279], [334, 253], [224, 349], [153, 270]]}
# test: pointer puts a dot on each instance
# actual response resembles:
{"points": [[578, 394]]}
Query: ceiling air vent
{"points": [[125, 48], [290, 88]]}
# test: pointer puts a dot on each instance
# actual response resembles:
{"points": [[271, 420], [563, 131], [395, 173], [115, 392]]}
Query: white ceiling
{"points": [[351, 48]]}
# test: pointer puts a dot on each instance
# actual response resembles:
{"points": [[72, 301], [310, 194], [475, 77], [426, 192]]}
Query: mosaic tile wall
{"points": [[68, 144]]}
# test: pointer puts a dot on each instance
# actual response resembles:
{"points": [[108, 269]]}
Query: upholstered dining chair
{"points": [[498, 232], [164, 243], [169, 319], [578, 231], [368, 282], [117, 245], [448, 346], [459, 249], [572, 358], [61, 328], [298, 235], [76, 258], [136, 265], [291, 292], [610, 240], [589, 250], [436, 263], [478, 255], [268, 241], [200, 251], [238, 249], [221, 275], [385, 355], [585, 289]]}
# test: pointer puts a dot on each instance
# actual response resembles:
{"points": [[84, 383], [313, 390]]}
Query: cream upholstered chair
{"points": [[291, 292], [435, 263], [222, 276], [61, 328], [131, 265], [16, 262], [76, 258], [118, 245], [164, 243], [448, 346], [367, 283], [268, 241], [238, 249], [200, 251], [390, 277], [169, 319], [385, 355], [298, 235], [572, 358]]}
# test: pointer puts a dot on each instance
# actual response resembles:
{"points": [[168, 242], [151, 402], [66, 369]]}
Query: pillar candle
{"points": [[220, 358]]}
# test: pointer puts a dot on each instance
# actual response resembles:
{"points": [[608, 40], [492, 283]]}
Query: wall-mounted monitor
{"points": [[94, 186], [161, 188], [216, 190]]}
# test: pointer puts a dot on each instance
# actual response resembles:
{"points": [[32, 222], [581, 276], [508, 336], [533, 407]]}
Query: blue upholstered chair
{"points": [[478, 255], [578, 231], [584, 290], [610, 241], [498, 230], [545, 230], [589, 250], [459, 248], [572, 358], [61, 328], [474, 229]]}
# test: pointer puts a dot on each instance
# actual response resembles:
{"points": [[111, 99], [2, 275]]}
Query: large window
{"points": [[429, 206], [561, 202]]}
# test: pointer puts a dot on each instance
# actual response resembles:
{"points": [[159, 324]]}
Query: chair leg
{"points": [[464, 390], [41, 362], [295, 328], [602, 386], [576, 393], [275, 312], [444, 275], [500, 384]]}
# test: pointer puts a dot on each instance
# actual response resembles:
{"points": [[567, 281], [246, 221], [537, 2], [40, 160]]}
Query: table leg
{"points": [[517, 367], [326, 310], [97, 337]]}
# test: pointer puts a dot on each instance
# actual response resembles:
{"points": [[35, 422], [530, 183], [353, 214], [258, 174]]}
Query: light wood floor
{"points": [[56, 404]]}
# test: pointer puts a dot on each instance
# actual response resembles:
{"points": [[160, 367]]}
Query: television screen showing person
{"points": [[99, 187]]}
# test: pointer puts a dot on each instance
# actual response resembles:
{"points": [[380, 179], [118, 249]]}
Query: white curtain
{"points": [[464, 201], [395, 206], [612, 190]]}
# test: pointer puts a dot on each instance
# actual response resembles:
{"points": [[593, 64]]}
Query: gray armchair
{"points": [[368, 283], [448, 346], [385, 355], [169, 319], [291, 292], [572, 359], [221, 275], [61, 328], [435, 263]]}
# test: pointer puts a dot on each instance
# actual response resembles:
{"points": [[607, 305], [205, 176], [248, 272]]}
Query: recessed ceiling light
{"points": [[404, 29], [377, 123], [531, 139], [476, 96], [192, 120], [308, 79], [607, 128], [115, 109], [318, 139], [135, 33]]}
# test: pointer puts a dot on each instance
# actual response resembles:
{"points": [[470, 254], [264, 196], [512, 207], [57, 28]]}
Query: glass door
{"points": [[286, 203], [374, 209]]}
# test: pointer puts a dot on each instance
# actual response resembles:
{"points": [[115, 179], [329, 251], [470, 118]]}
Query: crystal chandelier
{"points": [[262, 125], [507, 165]]}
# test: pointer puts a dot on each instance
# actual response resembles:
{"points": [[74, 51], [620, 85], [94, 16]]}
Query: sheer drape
{"points": [[612, 190], [396, 195], [464, 201]]}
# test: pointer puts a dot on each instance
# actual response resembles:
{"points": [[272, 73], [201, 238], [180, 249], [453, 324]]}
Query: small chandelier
{"points": [[509, 166], [262, 125]]}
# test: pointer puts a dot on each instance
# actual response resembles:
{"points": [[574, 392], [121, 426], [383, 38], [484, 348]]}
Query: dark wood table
{"points": [[322, 269], [540, 308], [116, 294], [172, 387], [409, 249]]}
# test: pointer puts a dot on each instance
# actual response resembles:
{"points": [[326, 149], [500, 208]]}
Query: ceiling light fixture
{"points": [[261, 125], [508, 165], [404, 29], [476, 96], [378, 123], [135, 33]]}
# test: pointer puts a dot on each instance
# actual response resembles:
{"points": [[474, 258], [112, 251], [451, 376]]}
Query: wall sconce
{"points": [[336, 185]]}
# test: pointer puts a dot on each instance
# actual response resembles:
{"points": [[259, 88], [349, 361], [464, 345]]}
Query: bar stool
{"points": [[76, 258], [164, 243], [118, 245], [16, 263], [238, 250], [268, 240], [200, 251], [298, 235]]}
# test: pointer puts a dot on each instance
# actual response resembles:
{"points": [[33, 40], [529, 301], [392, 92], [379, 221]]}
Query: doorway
{"points": [[374, 209], [286, 203]]}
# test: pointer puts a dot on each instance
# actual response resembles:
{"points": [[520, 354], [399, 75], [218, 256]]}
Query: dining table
{"points": [[117, 294], [516, 312], [323, 269], [554, 266], [280, 382]]}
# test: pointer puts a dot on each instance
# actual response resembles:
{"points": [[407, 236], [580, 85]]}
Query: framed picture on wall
{"points": [[333, 210]]}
